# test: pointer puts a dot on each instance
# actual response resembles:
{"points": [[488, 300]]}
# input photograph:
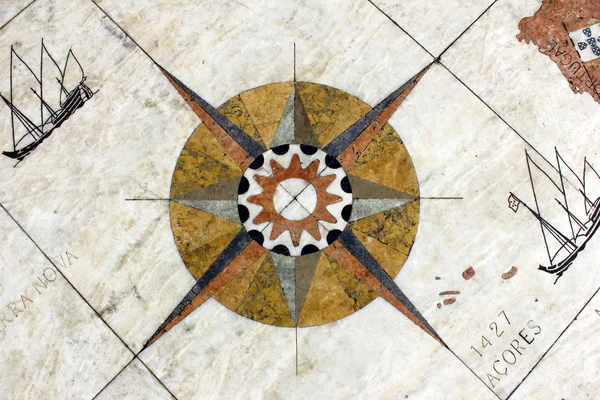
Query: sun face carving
{"points": [[293, 197]]}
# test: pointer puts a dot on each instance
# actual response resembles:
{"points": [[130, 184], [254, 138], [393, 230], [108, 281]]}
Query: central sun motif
{"points": [[294, 200]]}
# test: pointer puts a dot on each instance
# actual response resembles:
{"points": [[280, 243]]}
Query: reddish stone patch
{"points": [[449, 292], [549, 29], [510, 274], [468, 273]]}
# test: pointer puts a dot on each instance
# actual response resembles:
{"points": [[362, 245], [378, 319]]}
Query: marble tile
{"points": [[245, 359], [467, 152], [569, 370], [353, 48], [71, 193], [429, 22], [10, 8], [55, 346], [523, 82], [393, 361], [136, 383]]}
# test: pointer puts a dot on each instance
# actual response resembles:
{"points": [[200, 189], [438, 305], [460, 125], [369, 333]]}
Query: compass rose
{"points": [[294, 204]]}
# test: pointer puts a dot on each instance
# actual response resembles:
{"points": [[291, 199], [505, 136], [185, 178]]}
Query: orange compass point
{"points": [[281, 224]]}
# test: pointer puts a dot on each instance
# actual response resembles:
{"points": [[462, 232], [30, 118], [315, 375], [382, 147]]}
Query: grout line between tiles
{"points": [[65, 278], [474, 373], [497, 115], [86, 301], [154, 375], [114, 377], [552, 345], [402, 29], [16, 15], [125, 32], [468, 27]]}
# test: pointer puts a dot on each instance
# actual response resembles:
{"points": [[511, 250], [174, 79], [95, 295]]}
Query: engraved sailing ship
{"points": [[568, 228], [68, 93]]}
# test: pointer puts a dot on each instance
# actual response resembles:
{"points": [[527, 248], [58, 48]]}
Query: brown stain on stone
{"points": [[265, 300], [449, 292], [449, 301], [468, 273], [396, 227], [512, 272], [549, 29], [265, 105]]}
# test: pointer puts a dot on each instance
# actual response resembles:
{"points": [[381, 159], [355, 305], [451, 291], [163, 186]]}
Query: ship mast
{"points": [[12, 113], [41, 96], [537, 215], [562, 184]]}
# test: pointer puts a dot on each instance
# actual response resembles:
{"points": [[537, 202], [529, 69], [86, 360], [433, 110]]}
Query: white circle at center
{"points": [[295, 199]]}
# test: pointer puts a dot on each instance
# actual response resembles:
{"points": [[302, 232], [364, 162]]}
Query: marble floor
{"points": [[299, 199]]}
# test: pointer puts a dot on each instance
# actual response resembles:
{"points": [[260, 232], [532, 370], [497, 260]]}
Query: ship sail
{"points": [[51, 78], [26, 105], [554, 222], [72, 74], [591, 180], [575, 201]]}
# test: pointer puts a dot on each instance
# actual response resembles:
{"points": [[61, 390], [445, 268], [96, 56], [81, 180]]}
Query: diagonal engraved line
{"points": [[233, 249], [242, 138], [356, 248], [341, 142]]}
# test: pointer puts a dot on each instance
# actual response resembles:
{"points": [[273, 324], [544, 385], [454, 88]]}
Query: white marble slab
{"points": [[347, 44], [54, 345], [570, 369], [460, 148], [375, 353], [10, 8], [134, 383], [434, 24], [71, 193], [523, 85], [215, 354]]}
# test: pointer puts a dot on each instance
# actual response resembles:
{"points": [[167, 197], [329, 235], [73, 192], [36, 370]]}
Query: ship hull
{"points": [[562, 266], [74, 101]]}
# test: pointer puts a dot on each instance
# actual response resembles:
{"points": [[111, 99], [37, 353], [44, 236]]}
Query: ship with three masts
{"points": [[58, 93], [567, 206]]}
